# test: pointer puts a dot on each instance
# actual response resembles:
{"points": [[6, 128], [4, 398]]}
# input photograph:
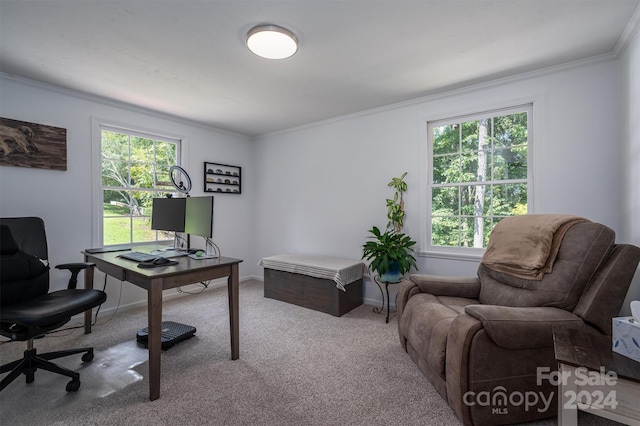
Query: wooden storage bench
{"points": [[329, 285]]}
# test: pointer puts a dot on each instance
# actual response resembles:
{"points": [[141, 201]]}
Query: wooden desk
{"points": [[593, 378], [155, 280]]}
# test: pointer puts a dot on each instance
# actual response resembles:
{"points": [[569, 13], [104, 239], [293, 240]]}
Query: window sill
{"points": [[467, 257]]}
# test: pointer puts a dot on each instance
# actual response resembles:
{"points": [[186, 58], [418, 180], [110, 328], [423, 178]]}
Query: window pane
{"points": [[142, 150], [488, 226], [473, 231], [444, 231], [115, 145], [115, 172], [145, 202], [470, 136], [510, 199], [446, 139], [470, 167], [117, 230], [116, 203], [510, 130], [142, 175], [473, 200], [163, 181], [516, 197], [487, 209], [142, 230], [467, 199], [445, 201], [166, 154], [466, 231], [446, 169], [140, 200], [510, 163]]}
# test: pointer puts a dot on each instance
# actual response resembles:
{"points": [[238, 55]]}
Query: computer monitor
{"points": [[199, 216], [168, 214]]}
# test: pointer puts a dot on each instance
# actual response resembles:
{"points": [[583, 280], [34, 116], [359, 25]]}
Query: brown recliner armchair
{"points": [[481, 340]]}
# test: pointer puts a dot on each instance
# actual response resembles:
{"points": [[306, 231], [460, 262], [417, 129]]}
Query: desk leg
{"points": [[88, 283], [154, 310], [234, 317]]}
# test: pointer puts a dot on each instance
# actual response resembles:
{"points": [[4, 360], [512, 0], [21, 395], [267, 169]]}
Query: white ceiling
{"points": [[187, 58]]}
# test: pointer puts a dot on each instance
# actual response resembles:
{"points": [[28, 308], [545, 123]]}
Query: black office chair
{"points": [[27, 309]]}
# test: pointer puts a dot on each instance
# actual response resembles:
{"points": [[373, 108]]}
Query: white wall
{"points": [[318, 189], [63, 198], [323, 186], [630, 99]]}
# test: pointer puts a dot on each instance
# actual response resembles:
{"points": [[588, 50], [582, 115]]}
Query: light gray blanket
{"points": [[342, 271]]}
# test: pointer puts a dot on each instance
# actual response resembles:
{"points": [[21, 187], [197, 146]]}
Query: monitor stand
{"points": [[172, 333]]}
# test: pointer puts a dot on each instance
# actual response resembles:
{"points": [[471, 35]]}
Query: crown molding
{"points": [[628, 34], [453, 90], [118, 104]]}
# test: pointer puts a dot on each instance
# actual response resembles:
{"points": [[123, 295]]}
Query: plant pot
{"points": [[392, 275]]}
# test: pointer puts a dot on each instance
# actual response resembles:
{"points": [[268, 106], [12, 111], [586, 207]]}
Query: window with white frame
{"points": [[134, 170], [480, 172]]}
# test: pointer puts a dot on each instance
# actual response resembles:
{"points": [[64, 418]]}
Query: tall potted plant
{"points": [[395, 205], [390, 252]]}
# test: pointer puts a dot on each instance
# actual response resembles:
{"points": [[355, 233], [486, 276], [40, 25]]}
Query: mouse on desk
{"points": [[199, 255], [158, 261]]}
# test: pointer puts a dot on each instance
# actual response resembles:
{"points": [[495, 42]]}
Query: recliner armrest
{"points": [[75, 269], [467, 287], [520, 328]]}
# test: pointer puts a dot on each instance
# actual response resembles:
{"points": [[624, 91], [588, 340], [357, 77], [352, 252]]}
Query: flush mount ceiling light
{"points": [[272, 42]]}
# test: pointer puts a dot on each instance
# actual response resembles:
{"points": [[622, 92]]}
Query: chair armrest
{"points": [[75, 269], [76, 265], [467, 287], [520, 328], [406, 289]]}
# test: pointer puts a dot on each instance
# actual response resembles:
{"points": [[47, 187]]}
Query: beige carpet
{"points": [[296, 367]]}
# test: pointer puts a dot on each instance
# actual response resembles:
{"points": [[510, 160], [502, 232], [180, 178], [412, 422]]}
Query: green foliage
{"points": [[395, 206], [388, 247]]}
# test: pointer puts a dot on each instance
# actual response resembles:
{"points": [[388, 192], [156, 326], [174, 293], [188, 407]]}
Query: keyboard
{"points": [[138, 256]]}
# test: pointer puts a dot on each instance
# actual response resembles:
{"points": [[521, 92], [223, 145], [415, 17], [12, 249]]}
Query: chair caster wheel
{"points": [[73, 386], [88, 357]]}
